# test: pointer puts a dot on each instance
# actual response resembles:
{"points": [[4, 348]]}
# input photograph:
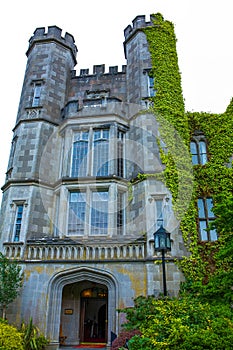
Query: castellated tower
{"points": [[77, 211], [138, 60], [50, 61]]}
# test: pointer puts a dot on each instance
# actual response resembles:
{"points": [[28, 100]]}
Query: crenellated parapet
{"points": [[54, 33], [138, 23], [99, 69]]}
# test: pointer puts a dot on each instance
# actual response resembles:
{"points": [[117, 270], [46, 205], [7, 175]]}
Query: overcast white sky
{"points": [[204, 30]]}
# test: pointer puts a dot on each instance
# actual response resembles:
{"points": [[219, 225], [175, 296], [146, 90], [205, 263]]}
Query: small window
{"points": [[205, 217], [159, 213], [150, 82], [18, 222], [12, 152], [37, 95], [199, 152]]}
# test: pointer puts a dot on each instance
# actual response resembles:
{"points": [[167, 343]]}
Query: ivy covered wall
{"points": [[187, 182]]}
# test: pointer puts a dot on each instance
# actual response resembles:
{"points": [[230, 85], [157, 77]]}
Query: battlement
{"points": [[99, 69], [54, 33], [138, 22]]}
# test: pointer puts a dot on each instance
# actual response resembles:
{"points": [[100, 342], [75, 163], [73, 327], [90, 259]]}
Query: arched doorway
{"points": [[93, 314], [65, 302], [84, 316]]}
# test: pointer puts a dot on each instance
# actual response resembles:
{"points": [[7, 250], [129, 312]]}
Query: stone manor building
{"points": [[75, 211]]}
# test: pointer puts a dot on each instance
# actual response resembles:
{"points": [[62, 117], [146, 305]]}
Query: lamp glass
{"points": [[162, 239]]}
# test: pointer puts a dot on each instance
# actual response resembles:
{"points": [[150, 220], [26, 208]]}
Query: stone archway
{"points": [[74, 275]]}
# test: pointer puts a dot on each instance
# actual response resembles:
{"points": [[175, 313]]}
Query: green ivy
{"points": [[214, 178]]}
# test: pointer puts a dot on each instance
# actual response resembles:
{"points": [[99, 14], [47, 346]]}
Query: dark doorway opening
{"points": [[93, 316]]}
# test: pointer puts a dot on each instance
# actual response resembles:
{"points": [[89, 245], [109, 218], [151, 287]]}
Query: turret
{"points": [[138, 60], [51, 58]]}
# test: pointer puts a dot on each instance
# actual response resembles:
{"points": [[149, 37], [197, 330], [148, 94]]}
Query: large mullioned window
{"points": [[90, 148], [89, 206], [91, 153], [92, 213], [89, 210]]}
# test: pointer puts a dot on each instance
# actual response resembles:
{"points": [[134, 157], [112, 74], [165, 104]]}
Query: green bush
{"points": [[180, 323], [32, 338], [10, 337], [140, 343]]}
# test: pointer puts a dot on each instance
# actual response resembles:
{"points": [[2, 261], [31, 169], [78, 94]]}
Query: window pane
{"points": [[120, 154], [99, 213], [106, 134], [79, 161], [85, 135], [18, 222], [77, 211], [202, 147], [201, 209], [36, 96], [77, 136], [209, 205], [120, 135], [193, 150], [203, 232], [97, 134], [37, 91], [151, 90], [193, 147], [159, 213], [206, 215], [100, 156], [120, 213], [203, 153], [213, 235]]}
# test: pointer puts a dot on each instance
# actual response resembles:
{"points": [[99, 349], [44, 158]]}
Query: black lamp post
{"points": [[162, 242]]}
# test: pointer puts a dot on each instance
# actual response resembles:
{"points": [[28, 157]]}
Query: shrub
{"points": [[123, 337], [33, 339], [180, 324], [10, 337], [138, 342]]}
